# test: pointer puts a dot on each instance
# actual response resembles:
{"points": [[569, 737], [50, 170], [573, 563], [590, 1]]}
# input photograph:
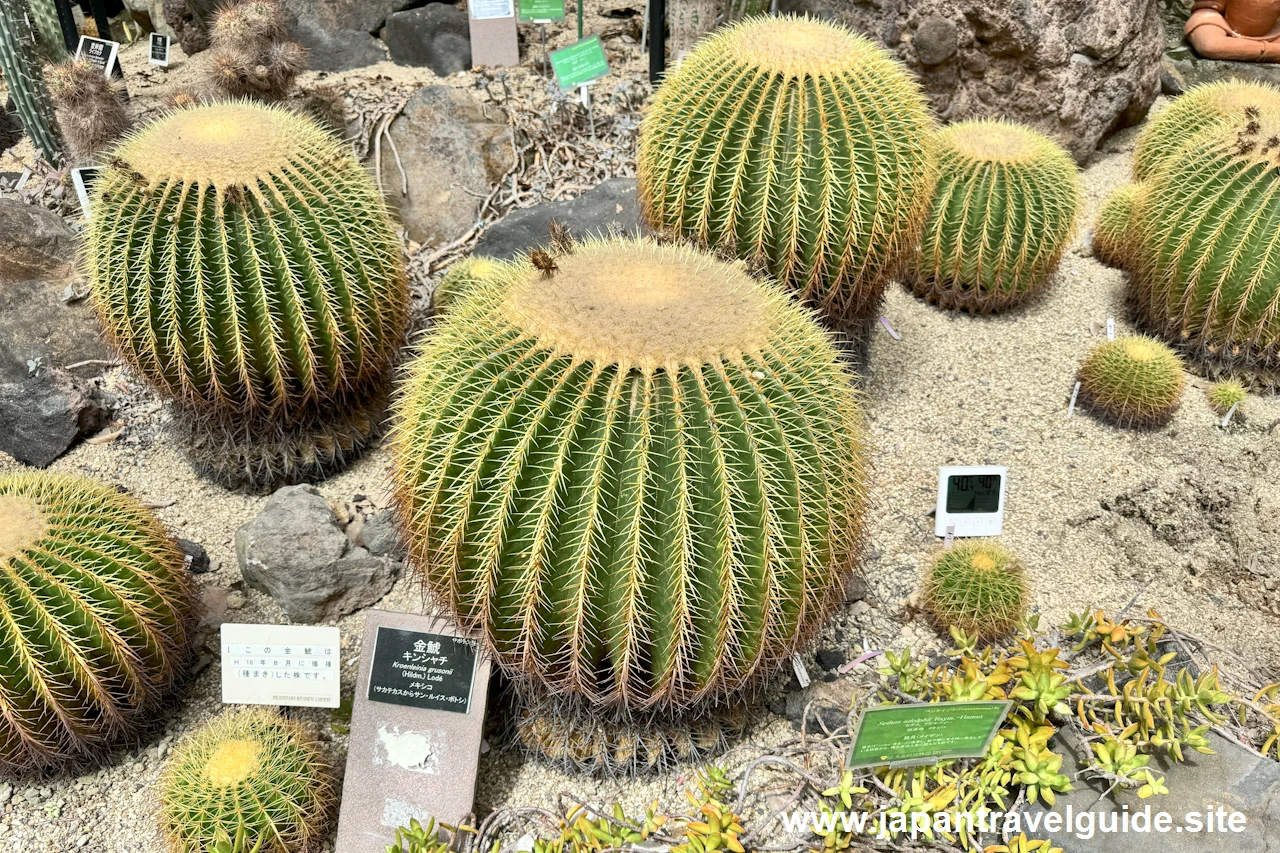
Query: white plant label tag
{"points": [[1111, 328], [1231, 411], [802, 673], [294, 665], [1075, 392]]}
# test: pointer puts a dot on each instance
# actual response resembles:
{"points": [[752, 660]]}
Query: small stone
{"points": [[935, 40], [235, 600], [6, 792], [199, 562], [831, 658], [381, 536]]}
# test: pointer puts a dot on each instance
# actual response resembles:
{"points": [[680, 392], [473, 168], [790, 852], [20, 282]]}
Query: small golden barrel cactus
{"points": [[1199, 108], [640, 477], [978, 587], [243, 262], [250, 772], [97, 620], [1226, 394], [797, 143], [1004, 209], [1111, 230], [1133, 381], [1206, 269], [460, 278]]}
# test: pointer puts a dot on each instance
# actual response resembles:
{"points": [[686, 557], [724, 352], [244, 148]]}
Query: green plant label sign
{"points": [[579, 63], [903, 735], [541, 10]]}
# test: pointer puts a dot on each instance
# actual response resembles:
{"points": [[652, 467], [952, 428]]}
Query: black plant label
{"points": [[421, 670]]}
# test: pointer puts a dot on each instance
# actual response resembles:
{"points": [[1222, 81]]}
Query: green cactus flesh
{"points": [[1133, 381], [249, 768], [95, 620], [1111, 230], [44, 14], [640, 480], [1199, 108], [243, 262], [20, 68], [978, 587], [1226, 394], [1206, 274], [795, 143], [1004, 209]]}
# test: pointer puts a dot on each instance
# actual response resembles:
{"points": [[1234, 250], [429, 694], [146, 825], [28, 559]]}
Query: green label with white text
{"points": [[925, 733], [541, 10], [580, 63]]}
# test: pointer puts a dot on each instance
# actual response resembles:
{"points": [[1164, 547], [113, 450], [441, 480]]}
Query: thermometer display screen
{"points": [[973, 493]]}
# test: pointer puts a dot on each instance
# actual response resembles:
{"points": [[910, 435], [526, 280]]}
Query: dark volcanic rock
{"points": [[606, 208], [437, 36]]}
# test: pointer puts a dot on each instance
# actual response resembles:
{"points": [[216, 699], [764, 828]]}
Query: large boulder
{"points": [[601, 211], [366, 16], [336, 49], [1074, 69], [44, 411], [296, 552], [435, 36], [1184, 69], [452, 151]]}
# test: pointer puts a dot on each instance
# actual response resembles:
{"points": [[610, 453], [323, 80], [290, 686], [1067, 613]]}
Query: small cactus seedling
{"points": [[1199, 108], [1133, 381], [97, 620], [1004, 209], [1111, 230], [796, 143], [460, 278], [249, 774], [977, 587], [1225, 394], [91, 108]]}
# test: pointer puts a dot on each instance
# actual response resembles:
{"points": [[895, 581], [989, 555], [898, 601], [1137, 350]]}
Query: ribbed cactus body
{"points": [[977, 587], [1132, 381], [1003, 211], [95, 619], [1206, 274], [1111, 230], [248, 771], [460, 278], [1200, 108], [20, 68], [243, 262], [44, 14], [796, 143], [640, 479]]}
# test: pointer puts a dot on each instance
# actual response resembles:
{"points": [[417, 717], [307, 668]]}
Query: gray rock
{"points": [[380, 536], [831, 658], [437, 36], [1184, 69], [366, 16], [336, 49], [935, 40], [199, 563], [452, 151], [609, 207], [295, 552], [43, 413]]}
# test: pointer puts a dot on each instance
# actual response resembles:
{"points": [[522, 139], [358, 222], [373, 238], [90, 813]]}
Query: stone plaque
{"points": [[416, 729]]}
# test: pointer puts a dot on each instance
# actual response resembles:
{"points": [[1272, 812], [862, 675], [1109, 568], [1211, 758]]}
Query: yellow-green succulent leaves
{"points": [[1206, 275], [976, 587], [1111, 230], [1004, 209], [1134, 381], [1199, 108], [796, 143], [243, 261], [641, 480], [96, 620], [248, 774]]}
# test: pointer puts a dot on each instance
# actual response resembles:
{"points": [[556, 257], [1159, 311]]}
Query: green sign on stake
{"points": [[579, 63], [541, 10], [905, 735]]}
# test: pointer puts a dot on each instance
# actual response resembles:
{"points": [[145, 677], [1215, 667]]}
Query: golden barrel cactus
{"points": [[1201, 107], [1111, 230]]}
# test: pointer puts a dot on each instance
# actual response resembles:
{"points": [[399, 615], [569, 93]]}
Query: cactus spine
{"points": [[1206, 274], [1004, 209], [1133, 381], [276, 330], [1111, 230], [97, 620], [45, 17], [641, 480], [250, 774], [20, 68], [796, 143], [1202, 107], [978, 587], [91, 109]]}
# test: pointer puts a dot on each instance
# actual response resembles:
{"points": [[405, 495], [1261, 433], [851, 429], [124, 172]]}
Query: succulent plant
{"points": [[1199, 108], [460, 278], [97, 609], [1206, 272], [20, 68], [252, 54], [640, 477], [1004, 209], [1111, 230], [796, 143], [976, 587], [90, 108], [1225, 394], [44, 14], [248, 774], [275, 332], [1133, 381]]}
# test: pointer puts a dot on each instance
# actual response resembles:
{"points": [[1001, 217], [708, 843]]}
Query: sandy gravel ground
{"points": [[954, 390]]}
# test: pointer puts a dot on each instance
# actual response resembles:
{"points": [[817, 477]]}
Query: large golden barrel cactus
{"points": [[96, 620], [641, 479], [1003, 212], [1201, 107], [244, 263], [1206, 275], [797, 143]]}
